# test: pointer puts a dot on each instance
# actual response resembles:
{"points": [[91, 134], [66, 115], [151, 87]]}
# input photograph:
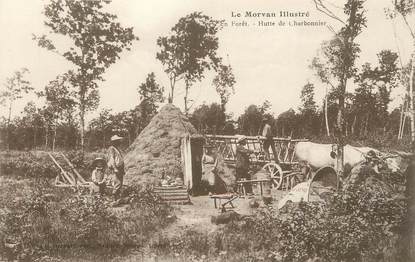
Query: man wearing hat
{"points": [[269, 140], [242, 162], [368, 168], [115, 164]]}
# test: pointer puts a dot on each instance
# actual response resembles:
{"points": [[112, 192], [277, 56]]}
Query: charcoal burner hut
{"points": [[169, 146]]}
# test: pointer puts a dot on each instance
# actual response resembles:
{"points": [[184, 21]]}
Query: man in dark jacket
{"points": [[242, 162]]}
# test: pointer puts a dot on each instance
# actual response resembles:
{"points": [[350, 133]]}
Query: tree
{"points": [[224, 83], [209, 119], [189, 51], [250, 122], [30, 123], [342, 53], [320, 64], [406, 8], [307, 99], [60, 102], [372, 96], [151, 94], [308, 110], [97, 40], [364, 104], [15, 87], [102, 124], [287, 123]]}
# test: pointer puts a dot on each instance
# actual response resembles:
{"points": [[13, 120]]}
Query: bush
{"points": [[27, 165], [361, 224], [358, 225], [43, 223], [37, 164]]}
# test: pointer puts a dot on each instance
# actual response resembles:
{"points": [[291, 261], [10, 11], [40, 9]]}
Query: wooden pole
{"points": [[70, 180], [401, 119], [80, 178]]}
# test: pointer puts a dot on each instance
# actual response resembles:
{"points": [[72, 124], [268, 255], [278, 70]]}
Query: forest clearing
{"points": [[298, 147]]}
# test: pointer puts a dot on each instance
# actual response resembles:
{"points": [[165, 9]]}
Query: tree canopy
{"points": [[97, 40]]}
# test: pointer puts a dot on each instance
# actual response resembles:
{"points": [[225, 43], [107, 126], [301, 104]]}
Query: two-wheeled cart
{"points": [[281, 173]]}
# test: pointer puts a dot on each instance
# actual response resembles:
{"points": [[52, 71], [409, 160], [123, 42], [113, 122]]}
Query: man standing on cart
{"points": [[242, 163], [269, 140]]}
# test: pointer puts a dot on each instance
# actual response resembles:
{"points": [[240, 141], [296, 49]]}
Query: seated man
{"points": [[98, 176], [364, 170]]}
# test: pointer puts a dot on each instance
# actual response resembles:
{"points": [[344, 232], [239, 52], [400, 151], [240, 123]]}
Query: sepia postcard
{"points": [[216, 130]]}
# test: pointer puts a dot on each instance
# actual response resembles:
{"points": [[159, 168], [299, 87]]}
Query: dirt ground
{"points": [[197, 215]]}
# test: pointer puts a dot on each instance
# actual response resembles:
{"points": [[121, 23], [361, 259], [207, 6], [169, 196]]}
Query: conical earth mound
{"points": [[156, 152]]}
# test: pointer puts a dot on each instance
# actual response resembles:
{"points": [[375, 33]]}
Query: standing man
{"points": [[116, 164], [269, 140], [242, 162]]}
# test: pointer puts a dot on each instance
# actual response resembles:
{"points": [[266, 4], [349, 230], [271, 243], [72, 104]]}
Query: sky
{"points": [[269, 63]]}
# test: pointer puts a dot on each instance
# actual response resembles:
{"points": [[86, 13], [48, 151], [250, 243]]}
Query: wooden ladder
{"points": [[68, 176]]}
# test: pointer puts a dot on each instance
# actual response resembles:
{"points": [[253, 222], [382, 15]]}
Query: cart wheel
{"points": [[275, 172]]}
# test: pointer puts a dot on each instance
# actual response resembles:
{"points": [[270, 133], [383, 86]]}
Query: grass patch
{"points": [[49, 221]]}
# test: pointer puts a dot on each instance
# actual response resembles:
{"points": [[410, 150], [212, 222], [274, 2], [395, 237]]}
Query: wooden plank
{"points": [[178, 202], [168, 188], [62, 170], [287, 151], [172, 195], [223, 137], [170, 201], [172, 192], [80, 178], [64, 185], [252, 181], [222, 196]]}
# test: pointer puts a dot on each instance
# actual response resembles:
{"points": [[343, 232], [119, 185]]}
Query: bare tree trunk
{"points": [[348, 42], [82, 122], [172, 84], [186, 109], [46, 137], [54, 138], [354, 125], [411, 95], [401, 120], [34, 136], [403, 126], [346, 123], [326, 114], [366, 124], [340, 135], [8, 126]]}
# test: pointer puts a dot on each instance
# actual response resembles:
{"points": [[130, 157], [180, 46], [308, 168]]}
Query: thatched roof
{"points": [[156, 151]]}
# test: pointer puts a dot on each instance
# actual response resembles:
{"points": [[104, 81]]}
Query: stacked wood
{"points": [[172, 194]]}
